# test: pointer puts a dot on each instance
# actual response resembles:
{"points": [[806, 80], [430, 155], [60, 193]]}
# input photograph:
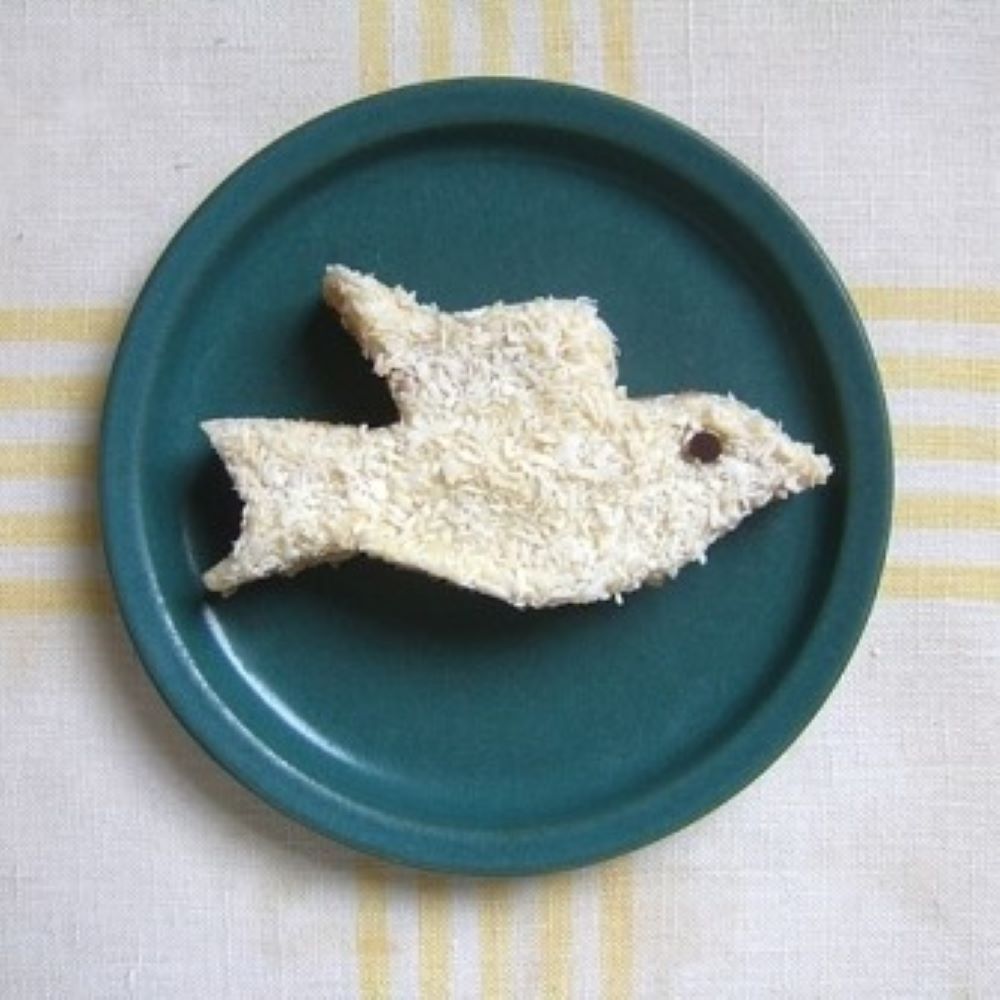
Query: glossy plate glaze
{"points": [[404, 716]]}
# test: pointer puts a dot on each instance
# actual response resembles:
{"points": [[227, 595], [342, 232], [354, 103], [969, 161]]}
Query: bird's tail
{"points": [[289, 521]]}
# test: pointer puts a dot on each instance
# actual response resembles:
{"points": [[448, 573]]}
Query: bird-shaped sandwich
{"points": [[518, 467]]}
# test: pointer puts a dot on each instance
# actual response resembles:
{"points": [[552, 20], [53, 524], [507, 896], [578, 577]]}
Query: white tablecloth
{"points": [[863, 864]]}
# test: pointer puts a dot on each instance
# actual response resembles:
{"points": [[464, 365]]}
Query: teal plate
{"points": [[401, 715]]}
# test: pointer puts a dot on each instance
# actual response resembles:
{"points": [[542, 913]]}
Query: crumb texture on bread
{"points": [[519, 468]]}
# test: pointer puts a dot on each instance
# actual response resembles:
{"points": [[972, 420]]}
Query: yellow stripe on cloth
{"points": [[48, 461], [938, 582], [496, 37], [617, 937], [946, 511], [955, 512], [49, 529], [104, 323], [374, 47], [926, 372], [942, 441], [434, 913], [556, 935], [942, 305], [557, 39], [916, 581], [29, 597], [494, 935], [617, 48], [51, 392], [372, 931], [101, 324], [435, 39]]}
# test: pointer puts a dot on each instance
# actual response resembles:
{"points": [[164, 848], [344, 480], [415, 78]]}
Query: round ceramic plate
{"points": [[402, 715]]}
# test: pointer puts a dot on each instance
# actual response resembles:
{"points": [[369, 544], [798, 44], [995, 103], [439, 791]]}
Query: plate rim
{"points": [[836, 627]]}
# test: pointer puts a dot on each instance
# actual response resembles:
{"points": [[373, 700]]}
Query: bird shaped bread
{"points": [[518, 467]]}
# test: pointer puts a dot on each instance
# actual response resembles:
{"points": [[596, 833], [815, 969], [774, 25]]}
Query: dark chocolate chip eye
{"points": [[703, 446]]}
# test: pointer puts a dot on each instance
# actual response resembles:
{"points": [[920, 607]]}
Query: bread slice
{"points": [[518, 468]]}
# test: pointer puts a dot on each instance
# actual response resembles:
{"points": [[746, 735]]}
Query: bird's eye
{"points": [[703, 447]]}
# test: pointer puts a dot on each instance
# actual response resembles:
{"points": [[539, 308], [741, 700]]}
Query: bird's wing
{"points": [[437, 361]]}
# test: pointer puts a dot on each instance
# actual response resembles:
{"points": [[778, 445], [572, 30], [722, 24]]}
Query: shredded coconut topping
{"points": [[518, 468]]}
